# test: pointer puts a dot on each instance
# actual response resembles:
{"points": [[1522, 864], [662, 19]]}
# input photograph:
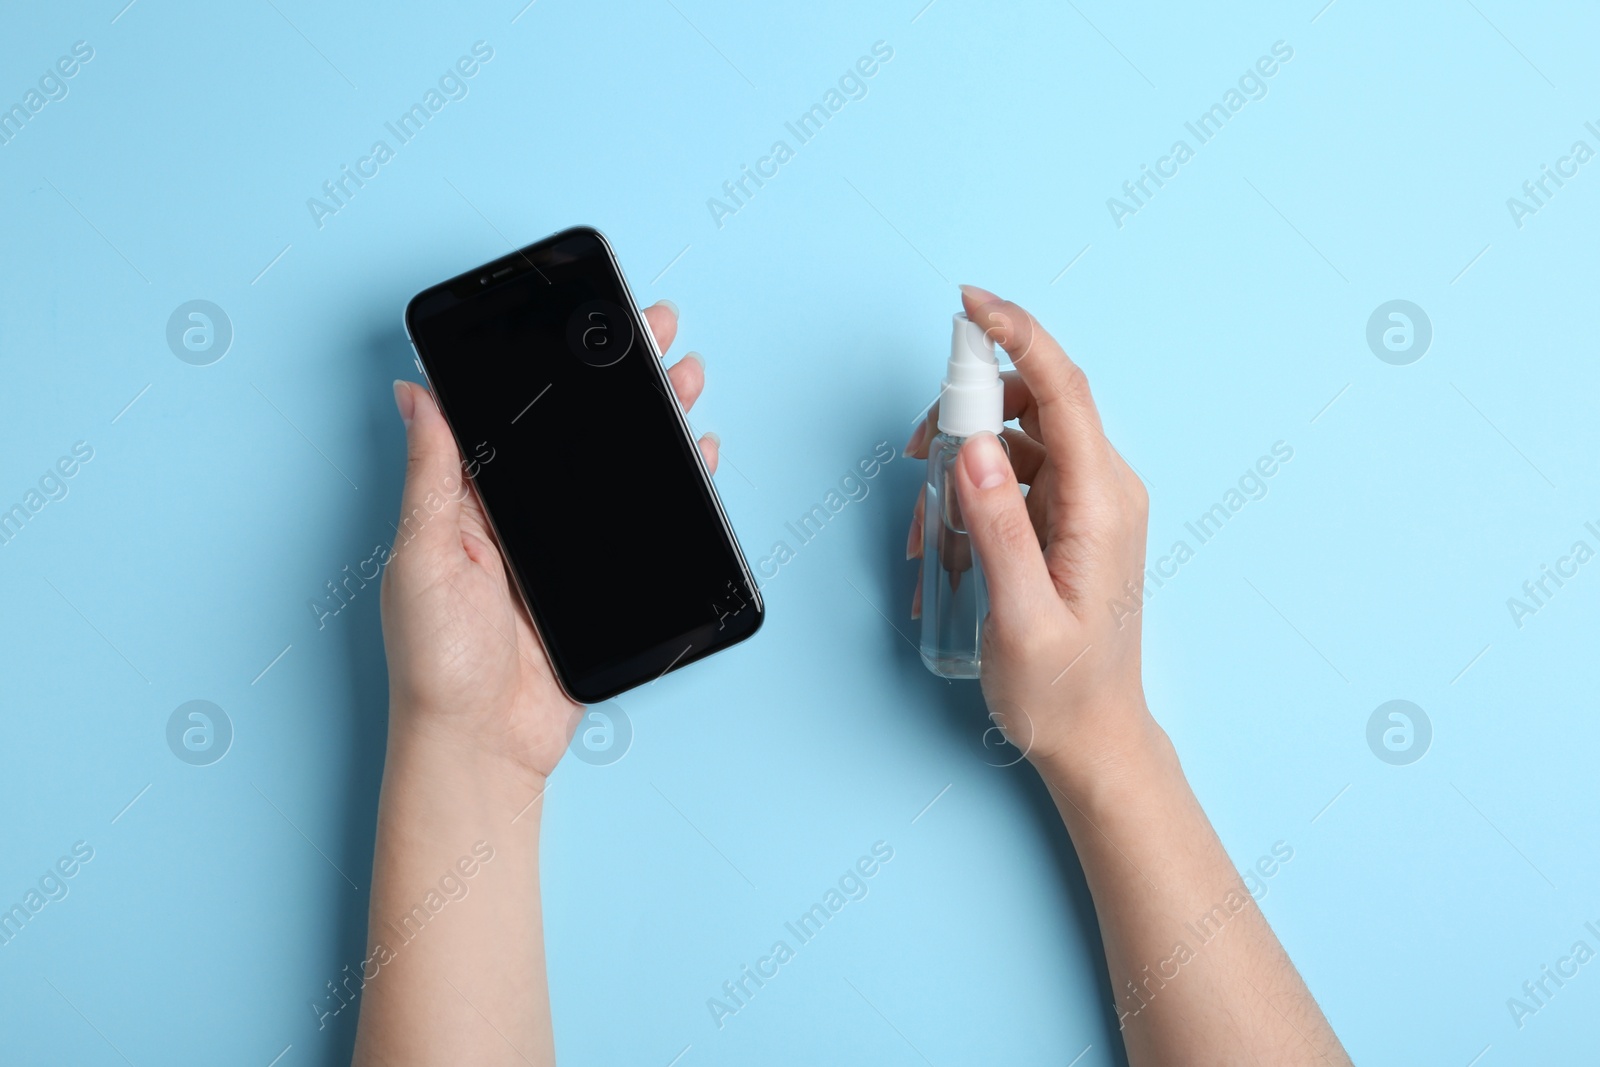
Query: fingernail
{"points": [[982, 296], [669, 305], [404, 401], [697, 357], [713, 437], [985, 461], [916, 437]]}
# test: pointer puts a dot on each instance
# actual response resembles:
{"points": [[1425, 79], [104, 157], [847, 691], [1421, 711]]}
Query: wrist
{"points": [[429, 755], [1113, 765]]}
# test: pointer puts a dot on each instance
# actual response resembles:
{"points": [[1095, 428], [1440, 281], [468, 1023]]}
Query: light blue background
{"points": [[1220, 319]]}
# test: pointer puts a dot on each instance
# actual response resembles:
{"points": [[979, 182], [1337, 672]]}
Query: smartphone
{"points": [[594, 484]]}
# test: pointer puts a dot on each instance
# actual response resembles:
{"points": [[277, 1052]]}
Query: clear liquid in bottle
{"points": [[954, 596]]}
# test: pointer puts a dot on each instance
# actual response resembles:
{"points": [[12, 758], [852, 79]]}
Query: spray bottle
{"points": [[954, 596]]}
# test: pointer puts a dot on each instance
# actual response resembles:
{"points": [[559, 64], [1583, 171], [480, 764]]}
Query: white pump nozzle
{"points": [[973, 398]]}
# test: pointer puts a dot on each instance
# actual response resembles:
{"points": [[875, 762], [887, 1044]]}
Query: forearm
{"points": [[455, 969], [1197, 974]]}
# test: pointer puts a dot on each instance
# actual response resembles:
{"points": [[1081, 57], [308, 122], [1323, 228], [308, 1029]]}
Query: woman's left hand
{"points": [[466, 667]]}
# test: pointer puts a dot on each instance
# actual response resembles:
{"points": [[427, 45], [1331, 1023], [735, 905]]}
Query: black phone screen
{"points": [[584, 464]]}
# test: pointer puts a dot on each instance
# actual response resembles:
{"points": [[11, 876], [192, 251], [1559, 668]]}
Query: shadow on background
{"points": [[388, 354]]}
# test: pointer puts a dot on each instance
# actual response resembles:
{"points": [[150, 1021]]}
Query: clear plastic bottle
{"points": [[955, 598]]}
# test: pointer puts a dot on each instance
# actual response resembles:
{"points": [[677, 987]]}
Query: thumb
{"points": [[996, 517], [430, 506]]}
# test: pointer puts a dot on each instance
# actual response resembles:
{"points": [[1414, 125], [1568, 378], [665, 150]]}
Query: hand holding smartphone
{"points": [[605, 513]]}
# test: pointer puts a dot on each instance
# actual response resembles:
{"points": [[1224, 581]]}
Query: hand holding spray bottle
{"points": [[955, 598]]}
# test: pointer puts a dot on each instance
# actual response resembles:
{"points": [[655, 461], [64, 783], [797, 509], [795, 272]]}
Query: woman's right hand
{"points": [[1064, 564], [1060, 671]]}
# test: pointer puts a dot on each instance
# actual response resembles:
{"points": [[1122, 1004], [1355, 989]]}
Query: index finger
{"points": [[662, 318], [1068, 422]]}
